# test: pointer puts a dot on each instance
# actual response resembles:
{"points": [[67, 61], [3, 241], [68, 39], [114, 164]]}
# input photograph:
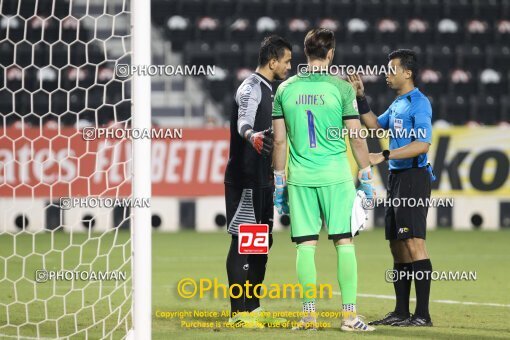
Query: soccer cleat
{"points": [[307, 323], [390, 318], [414, 321], [355, 324], [265, 318], [244, 320]]}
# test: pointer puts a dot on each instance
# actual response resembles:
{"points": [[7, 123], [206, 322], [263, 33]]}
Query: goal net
{"points": [[65, 241]]}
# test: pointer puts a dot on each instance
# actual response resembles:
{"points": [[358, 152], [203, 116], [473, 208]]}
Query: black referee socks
{"points": [[422, 285], [402, 286]]}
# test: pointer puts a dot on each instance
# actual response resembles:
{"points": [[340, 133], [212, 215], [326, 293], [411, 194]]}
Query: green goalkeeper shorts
{"points": [[308, 204]]}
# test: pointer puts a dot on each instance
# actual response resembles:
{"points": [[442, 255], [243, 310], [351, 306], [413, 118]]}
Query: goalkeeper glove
{"points": [[261, 141], [365, 179], [281, 196]]}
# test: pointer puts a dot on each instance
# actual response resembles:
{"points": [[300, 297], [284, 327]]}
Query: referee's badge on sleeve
{"points": [[355, 105], [398, 124]]}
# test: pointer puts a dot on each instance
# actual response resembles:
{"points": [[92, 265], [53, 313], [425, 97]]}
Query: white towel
{"points": [[358, 215]]}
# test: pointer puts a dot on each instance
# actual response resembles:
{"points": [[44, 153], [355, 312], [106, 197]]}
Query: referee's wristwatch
{"points": [[386, 154]]}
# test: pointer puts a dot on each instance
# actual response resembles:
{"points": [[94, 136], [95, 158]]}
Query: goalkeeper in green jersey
{"points": [[310, 110]]}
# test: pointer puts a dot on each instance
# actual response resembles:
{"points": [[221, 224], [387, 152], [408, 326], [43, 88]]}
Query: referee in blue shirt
{"points": [[409, 119]]}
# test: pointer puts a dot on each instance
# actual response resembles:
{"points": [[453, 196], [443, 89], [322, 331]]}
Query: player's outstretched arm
{"points": [[367, 116]]}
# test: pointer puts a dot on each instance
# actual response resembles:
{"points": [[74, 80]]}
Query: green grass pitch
{"points": [[176, 256], [202, 255]]}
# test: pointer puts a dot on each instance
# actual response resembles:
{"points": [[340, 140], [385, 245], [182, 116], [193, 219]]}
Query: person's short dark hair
{"points": [[318, 42], [273, 46], [408, 60]]}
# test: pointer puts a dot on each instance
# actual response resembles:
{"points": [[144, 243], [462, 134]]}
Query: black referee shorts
{"points": [[248, 205], [407, 220]]}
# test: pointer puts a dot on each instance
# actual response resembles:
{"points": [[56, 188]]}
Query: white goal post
{"points": [[142, 227]]}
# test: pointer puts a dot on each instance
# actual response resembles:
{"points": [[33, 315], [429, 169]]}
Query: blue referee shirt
{"points": [[409, 118]]}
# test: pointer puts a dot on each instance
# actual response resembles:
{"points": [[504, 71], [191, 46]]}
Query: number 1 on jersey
{"points": [[311, 130]]}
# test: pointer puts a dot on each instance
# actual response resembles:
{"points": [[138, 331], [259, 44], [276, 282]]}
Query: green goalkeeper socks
{"points": [[347, 273], [306, 272]]}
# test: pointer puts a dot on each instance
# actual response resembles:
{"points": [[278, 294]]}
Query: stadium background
{"points": [[58, 76], [465, 72]]}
